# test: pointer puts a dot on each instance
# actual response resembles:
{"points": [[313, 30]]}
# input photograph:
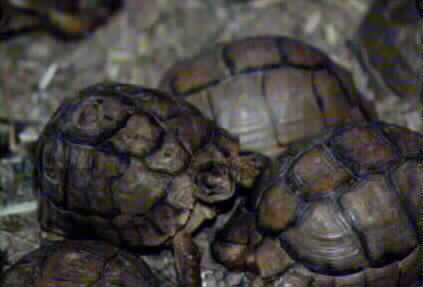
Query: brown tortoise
{"points": [[66, 19], [267, 90], [79, 264], [341, 209], [388, 46], [137, 168]]}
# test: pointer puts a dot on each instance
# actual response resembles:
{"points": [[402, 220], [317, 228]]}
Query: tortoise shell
{"points": [[128, 164], [387, 45], [344, 208], [67, 19], [267, 90], [79, 264], [137, 168]]}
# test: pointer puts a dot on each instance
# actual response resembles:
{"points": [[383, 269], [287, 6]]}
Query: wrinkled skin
{"points": [[387, 45], [79, 264], [66, 19], [269, 91], [137, 168], [339, 210]]}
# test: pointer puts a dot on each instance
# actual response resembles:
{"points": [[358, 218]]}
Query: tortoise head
{"points": [[221, 166], [76, 19]]}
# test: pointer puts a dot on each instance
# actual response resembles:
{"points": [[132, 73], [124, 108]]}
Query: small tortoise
{"points": [[79, 264], [67, 19], [388, 47], [267, 90], [137, 168], [341, 209]]}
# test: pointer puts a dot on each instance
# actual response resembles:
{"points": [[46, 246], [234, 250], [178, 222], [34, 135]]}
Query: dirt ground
{"points": [[38, 71]]}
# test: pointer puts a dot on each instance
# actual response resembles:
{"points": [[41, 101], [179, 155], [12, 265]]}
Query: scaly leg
{"points": [[188, 260]]}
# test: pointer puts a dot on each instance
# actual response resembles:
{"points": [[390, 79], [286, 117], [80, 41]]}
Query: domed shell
{"points": [[128, 164], [267, 90], [346, 206], [79, 264], [387, 44], [67, 19]]}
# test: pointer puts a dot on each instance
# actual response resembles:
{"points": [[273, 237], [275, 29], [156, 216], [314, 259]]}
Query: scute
{"points": [[93, 118], [344, 217], [79, 263], [255, 54], [319, 173], [408, 181], [377, 215], [116, 148], [267, 90], [192, 131], [170, 157], [363, 149], [237, 104], [134, 167], [328, 242], [138, 137], [277, 202]]}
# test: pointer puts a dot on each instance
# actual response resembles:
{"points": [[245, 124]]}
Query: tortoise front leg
{"points": [[188, 260]]}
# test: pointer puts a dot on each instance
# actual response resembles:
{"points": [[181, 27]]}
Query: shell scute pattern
{"points": [[79, 263], [267, 90], [104, 147], [343, 206], [137, 168]]}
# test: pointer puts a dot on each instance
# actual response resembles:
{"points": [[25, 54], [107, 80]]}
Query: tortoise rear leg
{"points": [[188, 260], [240, 247]]}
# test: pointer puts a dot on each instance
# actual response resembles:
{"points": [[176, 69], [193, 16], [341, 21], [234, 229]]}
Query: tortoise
{"points": [[66, 19], [387, 45], [79, 263], [137, 168], [340, 209], [268, 90]]}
